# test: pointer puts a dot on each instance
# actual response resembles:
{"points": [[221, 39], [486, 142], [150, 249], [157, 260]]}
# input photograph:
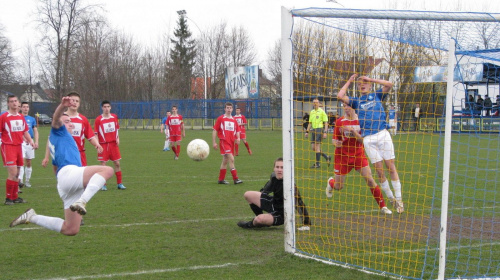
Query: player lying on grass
{"points": [[349, 154], [76, 184]]}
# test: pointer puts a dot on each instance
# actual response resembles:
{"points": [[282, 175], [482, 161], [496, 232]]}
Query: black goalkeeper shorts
{"points": [[266, 204]]}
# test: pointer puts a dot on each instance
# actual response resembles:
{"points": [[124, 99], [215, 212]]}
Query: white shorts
{"points": [[70, 184], [28, 151], [393, 124], [379, 146]]}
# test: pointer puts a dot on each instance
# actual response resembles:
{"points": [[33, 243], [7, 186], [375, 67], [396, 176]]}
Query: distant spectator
{"points": [[479, 104], [487, 105], [416, 115]]}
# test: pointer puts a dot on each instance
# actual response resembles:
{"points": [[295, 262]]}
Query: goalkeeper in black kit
{"points": [[262, 200]]}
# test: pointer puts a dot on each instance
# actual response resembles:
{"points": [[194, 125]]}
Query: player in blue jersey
{"points": [[376, 139], [28, 151], [163, 126], [76, 184]]}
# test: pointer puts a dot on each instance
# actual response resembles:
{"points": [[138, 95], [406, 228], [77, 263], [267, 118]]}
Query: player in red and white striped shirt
{"points": [[228, 131], [13, 128], [175, 126], [242, 122], [106, 126], [349, 154], [83, 129]]}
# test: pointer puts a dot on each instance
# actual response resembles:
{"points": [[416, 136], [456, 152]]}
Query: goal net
{"points": [[446, 140]]}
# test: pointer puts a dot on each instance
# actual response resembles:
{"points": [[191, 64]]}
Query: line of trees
{"points": [[80, 51]]}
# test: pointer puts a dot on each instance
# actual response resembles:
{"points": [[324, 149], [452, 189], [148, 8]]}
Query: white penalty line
{"points": [[138, 224], [153, 271]]}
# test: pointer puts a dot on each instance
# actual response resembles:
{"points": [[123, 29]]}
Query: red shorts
{"points": [[243, 135], [83, 158], [344, 163], [225, 147], [12, 155], [110, 151], [175, 138]]}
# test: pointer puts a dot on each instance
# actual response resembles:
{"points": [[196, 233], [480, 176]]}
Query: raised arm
{"points": [[386, 85], [56, 118], [342, 96]]}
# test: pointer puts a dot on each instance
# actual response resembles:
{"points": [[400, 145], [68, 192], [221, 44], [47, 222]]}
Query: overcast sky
{"points": [[147, 20]]}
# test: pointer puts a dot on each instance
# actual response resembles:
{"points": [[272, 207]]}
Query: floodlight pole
{"points": [[183, 13]]}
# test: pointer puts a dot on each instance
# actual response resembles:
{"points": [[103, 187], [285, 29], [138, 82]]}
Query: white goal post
{"points": [[446, 34]]}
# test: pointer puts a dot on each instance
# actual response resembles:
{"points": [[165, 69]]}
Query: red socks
{"points": [[118, 177], [222, 174], [234, 174], [377, 194], [11, 189]]}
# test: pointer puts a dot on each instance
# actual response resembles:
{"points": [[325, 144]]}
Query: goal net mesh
{"points": [[410, 49]]}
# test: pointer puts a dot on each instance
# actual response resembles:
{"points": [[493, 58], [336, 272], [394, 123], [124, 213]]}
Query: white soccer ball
{"points": [[198, 149]]}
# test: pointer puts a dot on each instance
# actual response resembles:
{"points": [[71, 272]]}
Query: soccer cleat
{"points": [[398, 205], [223, 182], [166, 149], [249, 152], [238, 181], [104, 188], [121, 187], [304, 228], [9, 201], [385, 210], [329, 189], [176, 157], [19, 200], [79, 206], [24, 218], [20, 185], [28, 185], [243, 224], [315, 166], [329, 160]]}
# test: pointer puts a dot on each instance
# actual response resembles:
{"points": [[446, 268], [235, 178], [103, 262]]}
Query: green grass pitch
{"points": [[173, 221]]}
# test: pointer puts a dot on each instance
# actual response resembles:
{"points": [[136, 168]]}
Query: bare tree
{"points": [[60, 20], [7, 62], [28, 61], [240, 48], [274, 65]]}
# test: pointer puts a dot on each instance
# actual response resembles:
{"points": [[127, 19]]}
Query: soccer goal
{"points": [[446, 140]]}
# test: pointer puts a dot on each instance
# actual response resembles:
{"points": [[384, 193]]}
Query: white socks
{"points": [[28, 173], [21, 174], [47, 222], [397, 189], [94, 185], [387, 189]]}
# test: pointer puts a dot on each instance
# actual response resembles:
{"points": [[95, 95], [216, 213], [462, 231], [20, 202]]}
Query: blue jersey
{"points": [[31, 122], [392, 114], [63, 149], [371, 113], [163, 122]]}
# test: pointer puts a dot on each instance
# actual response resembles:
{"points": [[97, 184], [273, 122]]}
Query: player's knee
{"points": [[261, 220], [70, 230]]}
